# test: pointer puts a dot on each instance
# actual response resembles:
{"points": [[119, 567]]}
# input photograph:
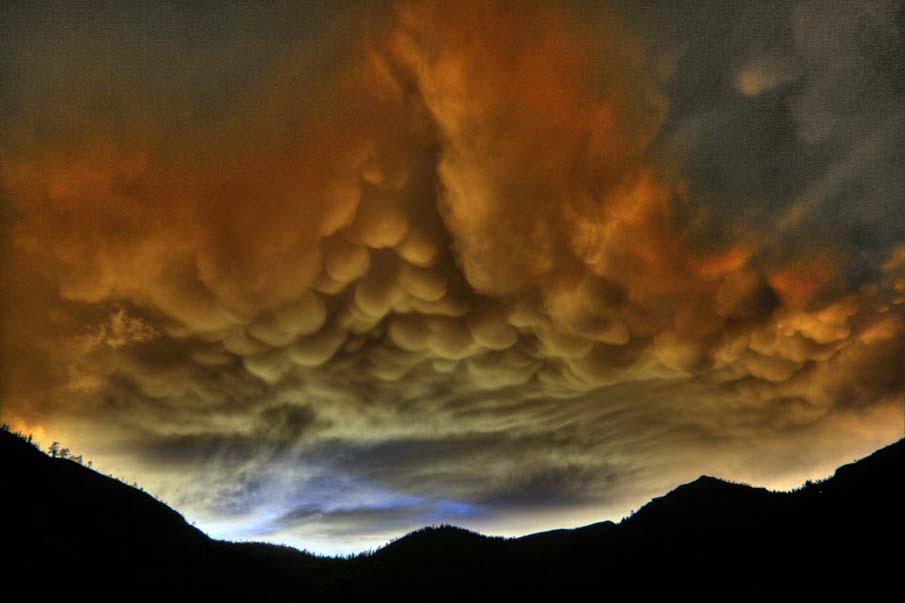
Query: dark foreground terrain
{"points": [[70, 533]]}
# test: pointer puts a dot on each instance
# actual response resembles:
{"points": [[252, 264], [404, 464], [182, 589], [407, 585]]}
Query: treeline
{"points": [[57, 451], [27, 438], [64, 453]]}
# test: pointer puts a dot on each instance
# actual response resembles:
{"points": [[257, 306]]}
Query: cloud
{"points": [[763, 74], [534, 263]]}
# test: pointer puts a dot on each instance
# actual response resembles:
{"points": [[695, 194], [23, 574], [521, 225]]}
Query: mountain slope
{"points": [[67, 528], [92, 534]]}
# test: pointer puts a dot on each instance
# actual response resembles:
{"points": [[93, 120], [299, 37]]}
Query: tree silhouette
{"points": [[54, 449], [64, 453]]}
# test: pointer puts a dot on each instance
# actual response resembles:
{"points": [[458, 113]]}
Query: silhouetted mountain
{"points": [[69, 530]]}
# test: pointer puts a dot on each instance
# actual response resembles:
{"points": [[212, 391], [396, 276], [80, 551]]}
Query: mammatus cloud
{"points": [[461, 263]]}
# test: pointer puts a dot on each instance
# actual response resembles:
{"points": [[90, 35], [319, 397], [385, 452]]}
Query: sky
{"points": [[324, 273]]}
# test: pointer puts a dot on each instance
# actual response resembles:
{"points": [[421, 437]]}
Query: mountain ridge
{"points": [[65, 511]]}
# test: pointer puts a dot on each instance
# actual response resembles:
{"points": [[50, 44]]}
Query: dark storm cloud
{"points": [[274, 431], [792, 115], [348, 522], [369, 263]]}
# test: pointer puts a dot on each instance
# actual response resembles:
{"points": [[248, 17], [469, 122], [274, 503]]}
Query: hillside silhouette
{"points": [[68, 530]]}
